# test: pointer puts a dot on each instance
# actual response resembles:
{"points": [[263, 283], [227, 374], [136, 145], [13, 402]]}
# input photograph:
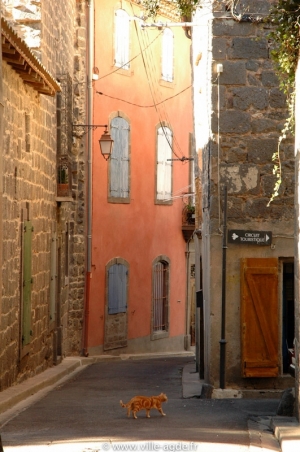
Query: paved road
{"points": [[84, 414]]}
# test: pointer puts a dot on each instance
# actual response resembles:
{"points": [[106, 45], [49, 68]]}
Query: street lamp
{"points": [[106, 142]]}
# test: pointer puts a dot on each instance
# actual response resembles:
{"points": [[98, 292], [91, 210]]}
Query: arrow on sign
{"points": [[234, 236], [267, 237]]}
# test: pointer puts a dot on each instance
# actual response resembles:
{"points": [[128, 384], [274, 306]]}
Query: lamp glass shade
{"points": [[106, 144]]}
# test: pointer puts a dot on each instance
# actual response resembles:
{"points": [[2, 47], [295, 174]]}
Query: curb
{"points": [[287, 431], [15, 394]]}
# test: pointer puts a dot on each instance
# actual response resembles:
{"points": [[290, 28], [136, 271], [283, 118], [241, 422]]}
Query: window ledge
{"points": [[64, 199], [159, 335], [167, 84], [127, 72]]}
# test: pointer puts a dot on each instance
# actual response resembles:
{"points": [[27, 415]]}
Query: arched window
{"points": [[160, 297], [122, 39], [164, 165], [167, 55], [119, 161]]}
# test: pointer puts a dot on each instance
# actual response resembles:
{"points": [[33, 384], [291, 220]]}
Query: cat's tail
{"points": [[122, 404]]}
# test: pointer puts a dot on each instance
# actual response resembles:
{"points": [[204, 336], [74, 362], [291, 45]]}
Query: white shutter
{"points": [[167, 55], [164, 164], [122, 39]]}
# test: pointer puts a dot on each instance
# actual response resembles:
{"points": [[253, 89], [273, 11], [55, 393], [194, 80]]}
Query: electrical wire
{"points": [[145, 106], [151, 85], [127, 62]]}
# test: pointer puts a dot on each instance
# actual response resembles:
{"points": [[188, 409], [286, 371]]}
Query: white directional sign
{"points": [[249, 237]]}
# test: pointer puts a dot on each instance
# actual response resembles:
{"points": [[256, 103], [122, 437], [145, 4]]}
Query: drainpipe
{"points": [[187, 344], [90, 57], [1, 161], [223, 322]]}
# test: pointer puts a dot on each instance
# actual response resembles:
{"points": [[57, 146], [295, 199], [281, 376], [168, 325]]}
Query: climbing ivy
{"points": [[185, 7], [284, 16]]}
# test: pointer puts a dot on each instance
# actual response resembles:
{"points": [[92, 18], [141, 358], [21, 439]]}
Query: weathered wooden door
{"points": [[116, 308], [259, 317]]}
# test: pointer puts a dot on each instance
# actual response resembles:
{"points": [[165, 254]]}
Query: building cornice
{"points": [[19, 56]]}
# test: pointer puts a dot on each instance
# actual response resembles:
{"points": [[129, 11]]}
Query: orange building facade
{"points": [[137, 300]]}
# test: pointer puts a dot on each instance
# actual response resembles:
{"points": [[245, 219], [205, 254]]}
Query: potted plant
{"points": [[63, 180]]}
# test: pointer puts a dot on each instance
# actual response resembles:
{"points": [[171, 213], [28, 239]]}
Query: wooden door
{"points": [[259, 317], [115, 335]]}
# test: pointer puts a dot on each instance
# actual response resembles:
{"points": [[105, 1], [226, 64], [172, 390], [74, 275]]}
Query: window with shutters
{"points": [[122, 39], [117, 287], [164, 166], [119, 164], [167, 71], [160, 297]]}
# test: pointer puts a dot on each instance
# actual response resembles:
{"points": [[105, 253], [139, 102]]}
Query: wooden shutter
{"points": [[259, 317], [167, 55], [164, 164], [27, 282], [119, 161], [117, 289], [122, 39], [53, 277]]}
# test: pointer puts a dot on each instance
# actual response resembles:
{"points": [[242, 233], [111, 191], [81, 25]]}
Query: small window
{"points": [[119, 161], [117, 288], [167, 55], [122, 39], [160, 296], [164, 165]]}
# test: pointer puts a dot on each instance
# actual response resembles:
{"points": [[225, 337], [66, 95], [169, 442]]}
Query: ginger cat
{"points": [[138, 403]]}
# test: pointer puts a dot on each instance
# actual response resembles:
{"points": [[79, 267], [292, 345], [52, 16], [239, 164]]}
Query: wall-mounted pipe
{"points": [[90, 57]]}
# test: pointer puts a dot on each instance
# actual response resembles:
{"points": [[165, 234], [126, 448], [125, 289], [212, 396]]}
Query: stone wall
{"points": [[252, 113], [29, 186], [297, 257], [30, 148], [246, 112]]}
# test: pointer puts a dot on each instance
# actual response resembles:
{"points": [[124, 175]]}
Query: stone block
{"points": [[277, 98], [235, 208], [248, 48], [232, 121], [240, 179], [231, 28], [257, 208], [269, 79], [219, 49], [234, 73], [262, 124], [252, 65], [261, 150], [245, 97], [235, 155]]}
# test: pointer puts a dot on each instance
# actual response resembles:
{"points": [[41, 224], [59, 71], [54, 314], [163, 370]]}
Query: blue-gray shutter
{"points": [[117, 289], [122, 39], [164, 164], [119, 160]]}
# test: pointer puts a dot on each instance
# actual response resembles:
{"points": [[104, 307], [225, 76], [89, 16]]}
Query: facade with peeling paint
{"points": [[247, 287]]}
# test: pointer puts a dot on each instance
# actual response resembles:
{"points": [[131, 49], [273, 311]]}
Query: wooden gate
{"points": [[259, 317]]}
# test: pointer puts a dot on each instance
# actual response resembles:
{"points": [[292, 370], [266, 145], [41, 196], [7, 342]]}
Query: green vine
{"points": [[284, 16], [185, 7]]}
